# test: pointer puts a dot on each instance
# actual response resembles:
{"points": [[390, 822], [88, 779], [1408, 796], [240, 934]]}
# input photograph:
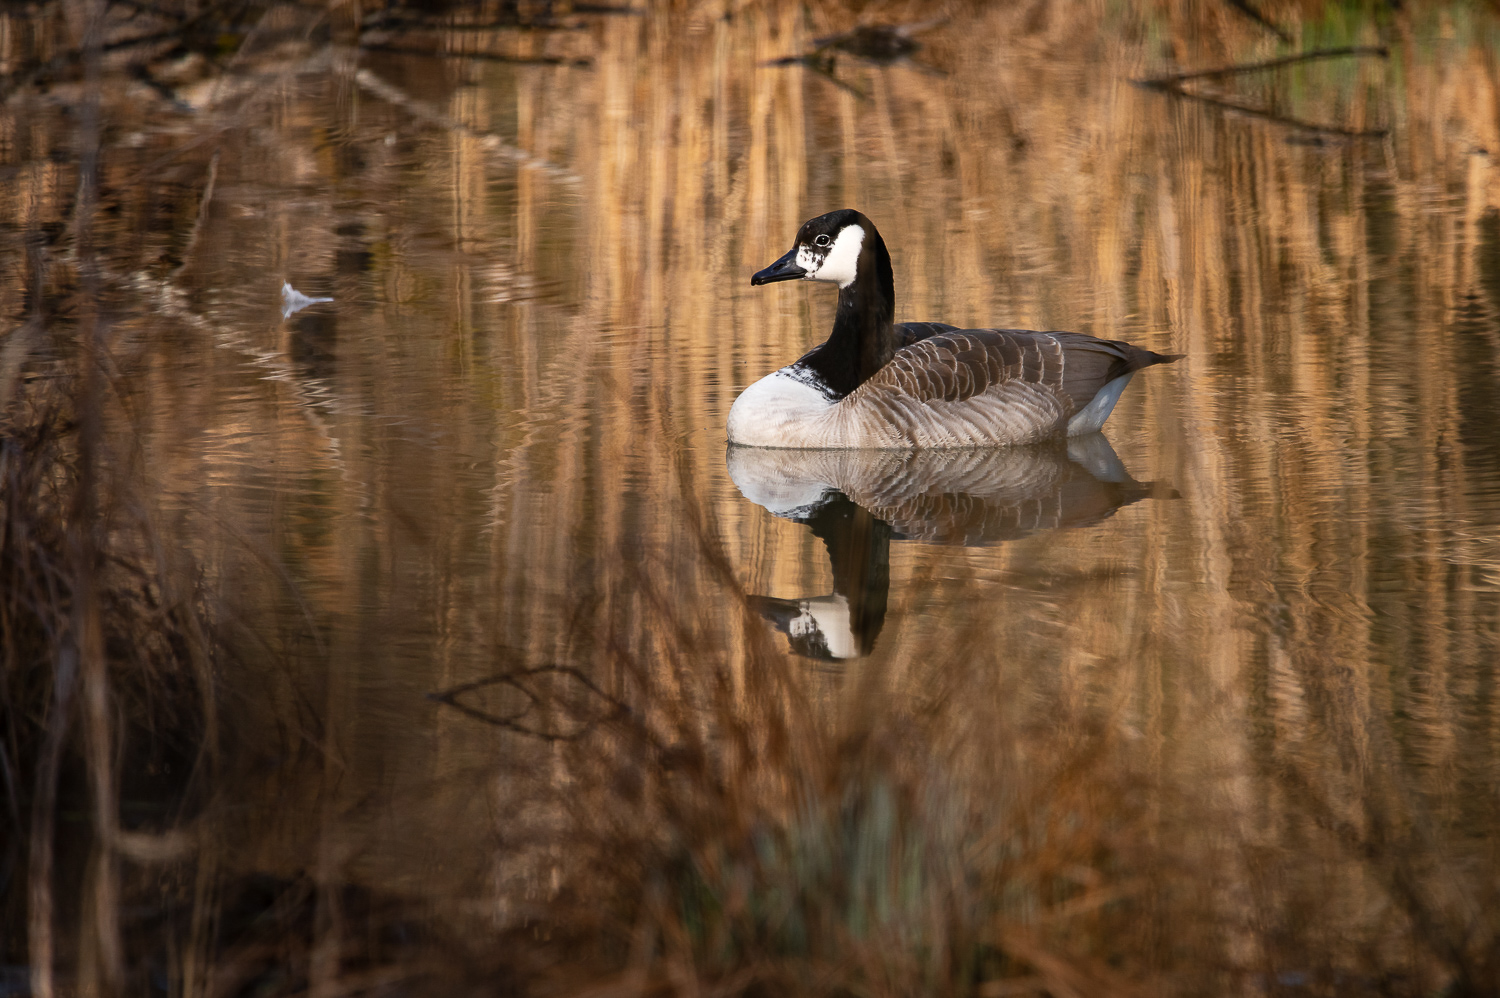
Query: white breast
{"points": [[780, 410], [784, 410]]}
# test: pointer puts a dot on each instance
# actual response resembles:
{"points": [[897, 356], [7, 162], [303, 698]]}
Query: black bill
{"points": [[785, 269]]}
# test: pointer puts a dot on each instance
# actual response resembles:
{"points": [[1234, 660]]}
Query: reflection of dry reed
{"points": [[1280, 686], [141, 709], [727, 823]]}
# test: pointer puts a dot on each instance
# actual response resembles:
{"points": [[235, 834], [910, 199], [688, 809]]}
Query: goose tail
{"points": [[1150, 358]]}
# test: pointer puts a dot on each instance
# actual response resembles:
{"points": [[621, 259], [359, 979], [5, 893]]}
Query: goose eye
{"points": [[823, 240]]}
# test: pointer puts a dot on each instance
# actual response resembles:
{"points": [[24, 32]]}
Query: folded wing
{"points": [[979, 386]]}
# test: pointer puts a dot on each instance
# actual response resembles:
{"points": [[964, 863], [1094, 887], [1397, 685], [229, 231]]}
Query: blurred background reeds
{"points": [[405, 643]]}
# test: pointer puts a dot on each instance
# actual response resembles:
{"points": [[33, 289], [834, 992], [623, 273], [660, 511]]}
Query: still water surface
{"points": [[502, 442]]}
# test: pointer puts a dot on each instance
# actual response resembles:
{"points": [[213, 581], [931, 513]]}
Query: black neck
{"points": [[863, 338]]}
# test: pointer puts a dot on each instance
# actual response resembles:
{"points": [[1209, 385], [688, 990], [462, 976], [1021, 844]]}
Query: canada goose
{"points": [[876, 384]]}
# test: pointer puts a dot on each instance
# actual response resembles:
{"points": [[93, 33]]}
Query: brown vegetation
{"points": [[1240, 743]]}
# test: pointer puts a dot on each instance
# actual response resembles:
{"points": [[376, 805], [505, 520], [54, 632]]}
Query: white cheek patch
{"points": [[809, 261], [841, 263]]}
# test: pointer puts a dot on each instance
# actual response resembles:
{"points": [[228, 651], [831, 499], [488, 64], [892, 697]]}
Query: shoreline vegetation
{"points": [[686, 809]]}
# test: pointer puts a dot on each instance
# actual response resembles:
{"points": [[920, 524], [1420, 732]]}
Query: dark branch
{"points": [[1257, 112], [512, 722], [1164, 82], [1244, 7]]}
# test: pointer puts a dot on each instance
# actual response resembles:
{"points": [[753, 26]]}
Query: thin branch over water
{"points": [[1170, 79], [1272, 116], [1244, 7]]}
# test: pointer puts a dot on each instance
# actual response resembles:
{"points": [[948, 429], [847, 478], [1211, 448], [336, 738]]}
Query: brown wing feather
{"points": [[952, 366], [1093, 363]]}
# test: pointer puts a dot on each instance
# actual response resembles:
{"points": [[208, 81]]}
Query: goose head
{"points": [[838, 247]]}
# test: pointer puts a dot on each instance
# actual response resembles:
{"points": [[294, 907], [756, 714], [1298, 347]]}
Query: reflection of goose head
{"points": [[817, 628], [846, 623], [857, 501]]}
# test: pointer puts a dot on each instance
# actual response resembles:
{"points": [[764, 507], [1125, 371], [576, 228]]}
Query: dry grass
{"points": [[108, 702], [701, 823]]}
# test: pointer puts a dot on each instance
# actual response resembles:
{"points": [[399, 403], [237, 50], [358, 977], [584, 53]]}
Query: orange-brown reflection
{"points": [[1238, 740]]}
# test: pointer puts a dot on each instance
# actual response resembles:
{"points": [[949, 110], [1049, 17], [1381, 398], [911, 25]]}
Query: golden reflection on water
{"points": [[514, 408]]}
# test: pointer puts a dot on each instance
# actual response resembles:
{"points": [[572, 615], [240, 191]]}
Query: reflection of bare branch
{"points": [[142, 72], [203, 203], [821, 63], [1389, 846], [881, 44], [384, 21], [13, 352], [1272, 116], [926, 67], [523, 60], [395, 95], [515, 679], [311, 394], [825, 70], [395, 20], [41, 72], [1163, 82], [1243, 6]]}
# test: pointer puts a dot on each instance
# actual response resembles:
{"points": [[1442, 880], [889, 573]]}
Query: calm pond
{"points": [[1206, 702]]}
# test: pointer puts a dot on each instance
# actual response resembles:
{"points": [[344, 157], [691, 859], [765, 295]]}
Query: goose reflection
{"points": [[857, 502]]}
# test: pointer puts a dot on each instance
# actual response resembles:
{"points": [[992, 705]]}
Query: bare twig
{"points": [[203, 203], [1244, 7], [537, 60], [43, 71], [142, 72], [512, 722], [822, 63], [395, 95], [1162, 82], [1272, 116]]}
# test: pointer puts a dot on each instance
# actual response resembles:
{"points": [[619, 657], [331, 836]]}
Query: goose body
{"points": [[878, 384]]}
